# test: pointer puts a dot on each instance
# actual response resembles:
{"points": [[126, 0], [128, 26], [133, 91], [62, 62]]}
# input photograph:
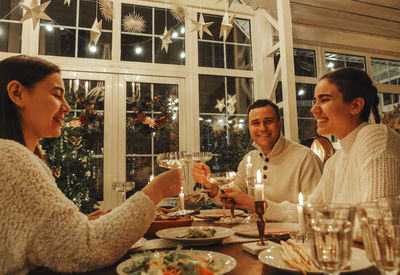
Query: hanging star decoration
{"points": [[95, 31], [226, 25], [201, 26], [230, 102], [35, 11], [220, 105], [67, 2], [226, 1], [178, 11], [134, 23], [165, 39], [106, 9], [218, 124]]}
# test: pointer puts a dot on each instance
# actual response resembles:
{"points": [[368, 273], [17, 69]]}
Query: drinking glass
{"points": [[123, 187], [201, 157], [223, 179], [379, 222], [332, 241]]}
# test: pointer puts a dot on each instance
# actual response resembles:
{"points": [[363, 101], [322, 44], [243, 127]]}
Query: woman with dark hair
{"points": [[368, 165], [39, 226]]}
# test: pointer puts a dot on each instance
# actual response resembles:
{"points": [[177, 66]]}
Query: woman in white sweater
{"points": [[39, 226], [368, 165]]}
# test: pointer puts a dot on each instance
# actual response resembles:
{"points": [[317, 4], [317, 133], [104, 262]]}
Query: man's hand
{"points": [[234, 196], [200, 171]]}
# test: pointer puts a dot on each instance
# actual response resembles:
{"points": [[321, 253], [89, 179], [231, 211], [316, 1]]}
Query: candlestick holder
{"points": [[260, 210]]}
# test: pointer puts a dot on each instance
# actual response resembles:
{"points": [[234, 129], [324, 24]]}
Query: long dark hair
{"points": [[28, 71], [354, 83]]}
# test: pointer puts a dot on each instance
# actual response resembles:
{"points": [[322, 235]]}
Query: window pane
{"points": [[380, 70], [240, 32], [56, 41], [152, 126], [136, 48], [10, 27], [10, 37], [61, 14], [138, 169], [88, 13], [304, 97], [239, 57], [304, 62], [336, 60], [101, 51], [223, 119], [211, 54], [307, 129], [175, 55], [389, 108], [278, 92]]}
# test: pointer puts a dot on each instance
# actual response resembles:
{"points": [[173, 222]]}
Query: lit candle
{"points": [[249, 167], [300, 215], [259, 188], [182, 199], [151, 178]]}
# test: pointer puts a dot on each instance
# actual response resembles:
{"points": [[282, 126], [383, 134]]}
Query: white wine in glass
{"points": [[123, 187]]}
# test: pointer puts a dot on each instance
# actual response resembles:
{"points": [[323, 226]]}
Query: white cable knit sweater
{"points": [[39, 226], [367, 167]]}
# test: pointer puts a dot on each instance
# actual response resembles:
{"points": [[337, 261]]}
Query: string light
{"points": [[49, 27], [301, 92], [93, 48], [183, 55], [138, 50]]}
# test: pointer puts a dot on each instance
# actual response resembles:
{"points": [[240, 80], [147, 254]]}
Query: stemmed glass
{"points": [[200, 158], [123, 187], [223, 179], [171, 160]]}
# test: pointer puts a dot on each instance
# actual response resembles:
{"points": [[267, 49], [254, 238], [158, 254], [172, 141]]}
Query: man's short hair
{"points": [[262, 103]]}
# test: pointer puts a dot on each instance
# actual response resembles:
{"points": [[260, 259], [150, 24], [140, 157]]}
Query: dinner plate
{"points": [[271, 228], [174, 233], [229, 262], [217, 213], [272, 257], [141, 242]]}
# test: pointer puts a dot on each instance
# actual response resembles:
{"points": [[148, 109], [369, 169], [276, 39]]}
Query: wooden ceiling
{"points": [[374, 17]]}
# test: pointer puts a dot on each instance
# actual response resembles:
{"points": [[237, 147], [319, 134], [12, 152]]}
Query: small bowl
{"points": [[158, 225]]}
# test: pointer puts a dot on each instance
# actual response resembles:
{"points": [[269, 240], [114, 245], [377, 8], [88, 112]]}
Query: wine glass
{"points": [[332, 241], [200, 158], [223, 179], [123, 187]]}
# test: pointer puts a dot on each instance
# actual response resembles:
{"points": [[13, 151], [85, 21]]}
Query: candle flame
{"points": [[181, 189], [300, 198], [248, 159], [258, 176], [151, 177]]}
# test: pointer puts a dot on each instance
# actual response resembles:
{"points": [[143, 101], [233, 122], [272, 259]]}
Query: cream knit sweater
{"points": [[367, 167], [39, 226]]}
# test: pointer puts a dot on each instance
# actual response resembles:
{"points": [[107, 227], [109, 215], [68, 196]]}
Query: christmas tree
{"points": [[70, 158]]}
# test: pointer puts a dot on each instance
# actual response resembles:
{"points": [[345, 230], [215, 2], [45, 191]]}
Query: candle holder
{"points": [[260, 210]]}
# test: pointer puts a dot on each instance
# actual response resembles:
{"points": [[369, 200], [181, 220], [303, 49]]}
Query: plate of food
{"points": [[196, 235], [177, 262], [141, 242], [271, 228], [217, 213], [275, 254], [163, 220]]}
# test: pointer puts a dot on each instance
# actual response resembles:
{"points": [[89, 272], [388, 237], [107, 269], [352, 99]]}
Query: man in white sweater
{"points": [[287, 167]]}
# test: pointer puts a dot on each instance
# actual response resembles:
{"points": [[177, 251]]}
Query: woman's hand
{"points": [[165, 185], [200, 171], [234, 196]]}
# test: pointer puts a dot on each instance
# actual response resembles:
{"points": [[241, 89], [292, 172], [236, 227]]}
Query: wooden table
{"points": [[247, 264]]}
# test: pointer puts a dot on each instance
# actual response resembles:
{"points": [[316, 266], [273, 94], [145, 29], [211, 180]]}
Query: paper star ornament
{"points": [[226, 25], [95, 31], [165, 39], [67, 2], [35, 11], [231, 100], [220, 105], [201, 26], [226, 1]]}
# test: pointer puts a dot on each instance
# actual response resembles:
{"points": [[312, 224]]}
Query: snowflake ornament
{"points": [[178, 11], [134, 23], [106, 9]]}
